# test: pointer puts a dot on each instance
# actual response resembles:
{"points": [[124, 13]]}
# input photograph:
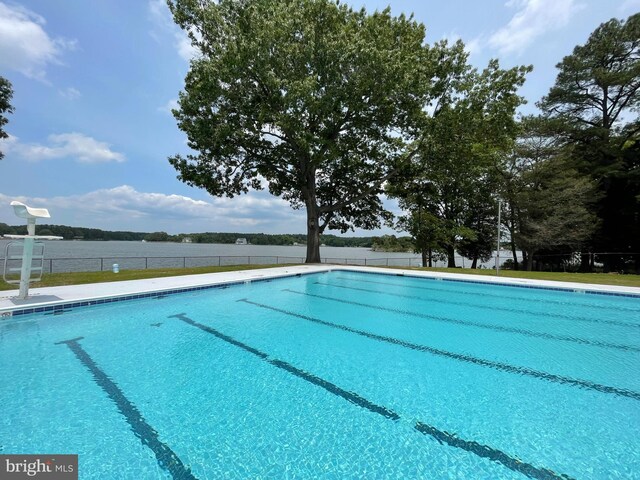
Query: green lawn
{"points": [[56, 279], [598, 278], [79, 278]]}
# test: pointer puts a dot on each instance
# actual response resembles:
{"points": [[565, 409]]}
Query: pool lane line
{"points": [[469, 323], [328, 386], [483, 294], [166, 457], [504, 367], [442, 437], [486, 307], [485, 451]]}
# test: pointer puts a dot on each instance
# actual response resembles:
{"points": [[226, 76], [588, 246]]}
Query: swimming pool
{"points": [[334, 375]]}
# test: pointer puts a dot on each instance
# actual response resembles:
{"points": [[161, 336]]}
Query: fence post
{"points": [[101, 264], [146, 263], [184, 262], [249, 259]]}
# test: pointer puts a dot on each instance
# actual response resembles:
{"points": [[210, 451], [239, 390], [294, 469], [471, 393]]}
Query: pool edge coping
{"points": [[109, 292]]}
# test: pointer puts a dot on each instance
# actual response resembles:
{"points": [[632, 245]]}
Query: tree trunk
{"points": [[529, 261], [430, 258], [313, 222], [515, 255], [313, 239], [451, 257], [424, 258], [474, 263], [585, 262]]}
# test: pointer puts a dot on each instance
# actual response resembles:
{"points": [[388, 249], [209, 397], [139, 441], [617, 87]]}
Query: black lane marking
{"points": [[155, 324], [486, 307], [497, 328], [483, 294], [166, 458], [443, 437], [488, 452], [504, 367], [328, 386]]}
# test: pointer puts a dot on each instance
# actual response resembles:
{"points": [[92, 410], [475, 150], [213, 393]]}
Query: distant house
{"points": [[187, 240], [241, 241]]}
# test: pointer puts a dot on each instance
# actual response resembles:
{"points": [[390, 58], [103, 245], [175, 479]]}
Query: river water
{"points": [[68, 255], [65, 255]]}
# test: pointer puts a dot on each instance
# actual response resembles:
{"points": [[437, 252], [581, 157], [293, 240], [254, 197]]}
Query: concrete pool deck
{"points": [[58, 296]]}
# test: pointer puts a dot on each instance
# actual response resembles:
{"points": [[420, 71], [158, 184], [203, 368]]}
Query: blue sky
{"points": [[94, 82]]}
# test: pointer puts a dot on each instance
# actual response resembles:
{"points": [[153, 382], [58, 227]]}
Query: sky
{"points": [[94, 83]]}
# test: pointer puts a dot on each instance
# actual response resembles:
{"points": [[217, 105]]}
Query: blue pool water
{"points": [[335, 375]]}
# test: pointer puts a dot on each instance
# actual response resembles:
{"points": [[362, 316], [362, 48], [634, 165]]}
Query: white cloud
{"points": [[78, 146], [185, 49], [472, 47], [629, 6], [124, 207], [24, 44], [533, 19], [170, 105], [70, 93], [161, 17]]}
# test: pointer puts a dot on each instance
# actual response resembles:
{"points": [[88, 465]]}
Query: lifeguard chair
{"points": [[27, 249]]}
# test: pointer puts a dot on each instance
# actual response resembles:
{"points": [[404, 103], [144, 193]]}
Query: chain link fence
{"points": [[602, 262], [570, 262], [96, 264]]}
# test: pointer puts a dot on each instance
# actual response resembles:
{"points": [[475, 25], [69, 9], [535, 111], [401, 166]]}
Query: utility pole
{"points": [[498, 249]]}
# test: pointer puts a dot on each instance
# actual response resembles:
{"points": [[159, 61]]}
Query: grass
{"points": [[80, 278], [597, 278]]}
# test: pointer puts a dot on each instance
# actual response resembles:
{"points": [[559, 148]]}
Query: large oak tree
{"points": [[311, 99]]}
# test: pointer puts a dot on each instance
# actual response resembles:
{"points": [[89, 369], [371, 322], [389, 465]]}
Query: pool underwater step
{"points": [[166, 457], [443, 437], [497, 328], [486, 307], [505, 367], [487, 294]]}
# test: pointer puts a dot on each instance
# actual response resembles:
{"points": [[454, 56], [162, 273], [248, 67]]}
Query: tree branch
{"points": [[367, 191]]}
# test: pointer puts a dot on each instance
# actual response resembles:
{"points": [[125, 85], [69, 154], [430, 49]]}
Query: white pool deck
{"points": [[50, 296]]}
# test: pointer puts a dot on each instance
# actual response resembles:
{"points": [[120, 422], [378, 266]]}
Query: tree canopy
{"points": [[594, 108], [548, 203], [6, 93], [448, 187], [311, 99]]}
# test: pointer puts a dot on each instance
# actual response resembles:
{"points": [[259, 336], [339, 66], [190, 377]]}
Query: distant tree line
{"points": [[81, 233], [391, 243], [73, 233]]}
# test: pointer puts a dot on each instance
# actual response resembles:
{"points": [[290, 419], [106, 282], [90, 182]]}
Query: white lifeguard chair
{"points": [[28, 242]]}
